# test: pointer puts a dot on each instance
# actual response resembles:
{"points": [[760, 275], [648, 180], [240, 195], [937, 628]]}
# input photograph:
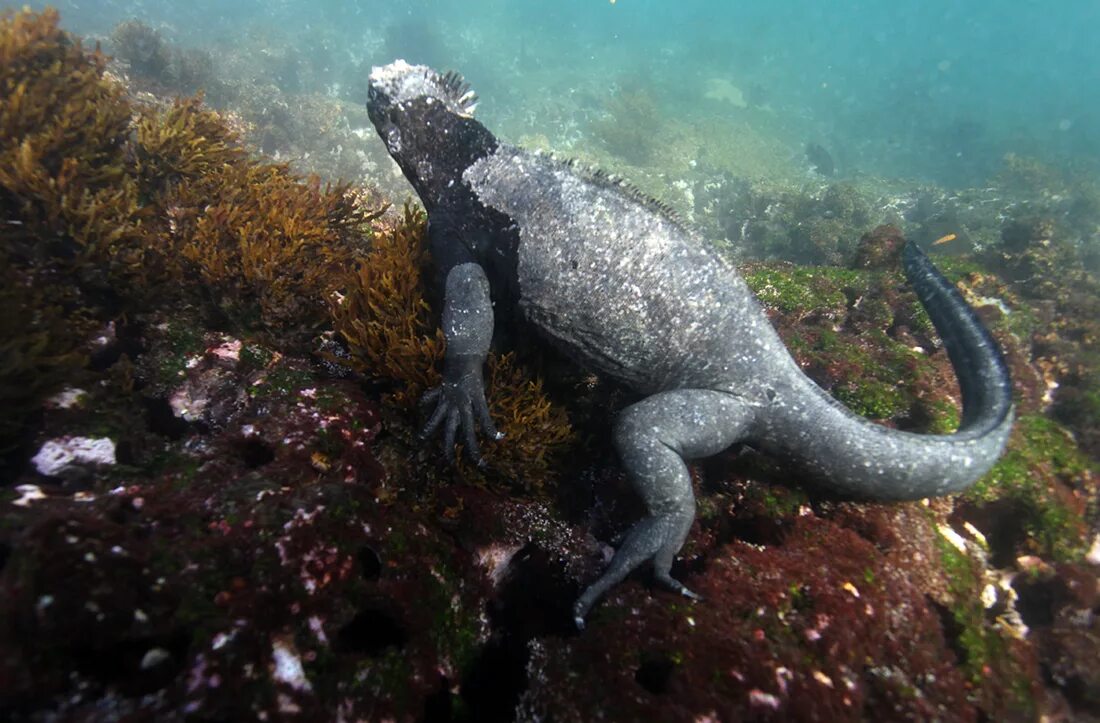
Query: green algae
{"points": [[256, 356], [783, 502], [880, 375], [1021, 321], [945, 416], [842, 318], [455, 627], [957, 268], [282, 382], [804, 289], [174, 345], [873, 398], [983, 646], [1038, 471]]}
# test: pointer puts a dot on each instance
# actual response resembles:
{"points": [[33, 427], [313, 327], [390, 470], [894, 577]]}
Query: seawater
{"points": [[938, 90]]}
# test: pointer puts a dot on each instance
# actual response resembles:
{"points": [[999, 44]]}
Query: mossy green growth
{"points": [[873, 398], [256, 356], [872, 373], [878, 378], [984, 645], [1041, 466], [456, 627], [957, 268], [775, 501], [804, 289], [281, 381], [1021, 321], [945, 417]]}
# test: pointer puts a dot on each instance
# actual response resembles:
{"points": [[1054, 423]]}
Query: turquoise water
{"points": [[935, 90]]}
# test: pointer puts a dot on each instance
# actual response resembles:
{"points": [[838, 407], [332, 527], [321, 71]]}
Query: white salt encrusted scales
{"points": [[64, 453], [403, 82]]}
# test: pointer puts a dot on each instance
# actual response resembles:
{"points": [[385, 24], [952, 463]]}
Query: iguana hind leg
{"points": [[653, 438]]}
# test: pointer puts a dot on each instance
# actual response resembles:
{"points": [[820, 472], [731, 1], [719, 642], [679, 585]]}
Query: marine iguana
{"points": [[626, 289]]}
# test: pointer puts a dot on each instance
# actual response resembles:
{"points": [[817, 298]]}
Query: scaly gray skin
{"points": [[622, 287]]}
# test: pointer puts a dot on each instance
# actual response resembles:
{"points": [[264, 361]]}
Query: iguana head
{"points": [[426, 120]]}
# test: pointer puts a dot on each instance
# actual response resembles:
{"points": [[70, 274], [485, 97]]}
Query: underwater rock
{"points": [[1019, 233], [65, 455], [293, 551], [67, 398], [879, 249], [723, 91], [765, 220], [211, 392], [141, 46], [259, 551], [631, 126], [1058, 604], [779, 635], [157, 64], [820, 159]]}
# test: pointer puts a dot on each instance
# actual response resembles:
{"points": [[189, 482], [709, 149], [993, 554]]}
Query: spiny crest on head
{"points": [[454, 83], [458, 90]]}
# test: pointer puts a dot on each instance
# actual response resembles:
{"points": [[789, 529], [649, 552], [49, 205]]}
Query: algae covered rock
{"points": [[265, 537]]}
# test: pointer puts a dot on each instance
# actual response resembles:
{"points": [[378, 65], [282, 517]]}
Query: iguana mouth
{"points": [[400, 82]]}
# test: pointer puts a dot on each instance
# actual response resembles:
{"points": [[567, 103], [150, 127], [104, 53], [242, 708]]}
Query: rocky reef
{"points": [[214, 504]]}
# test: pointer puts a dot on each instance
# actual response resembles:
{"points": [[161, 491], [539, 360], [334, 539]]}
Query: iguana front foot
{"points": [[468, 329], [458, 401]]}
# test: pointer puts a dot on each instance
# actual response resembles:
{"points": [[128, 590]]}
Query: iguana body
{"points": [[622, 287]]}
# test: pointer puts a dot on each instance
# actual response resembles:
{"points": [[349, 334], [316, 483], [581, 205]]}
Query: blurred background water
{"points": [[672, 95], [938, 90]]}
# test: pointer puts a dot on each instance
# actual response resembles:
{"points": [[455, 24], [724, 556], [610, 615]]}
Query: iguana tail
{"points": [[857, 457]]}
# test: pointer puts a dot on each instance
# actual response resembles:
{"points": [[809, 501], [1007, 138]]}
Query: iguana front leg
{"points": [[468, 329]]}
